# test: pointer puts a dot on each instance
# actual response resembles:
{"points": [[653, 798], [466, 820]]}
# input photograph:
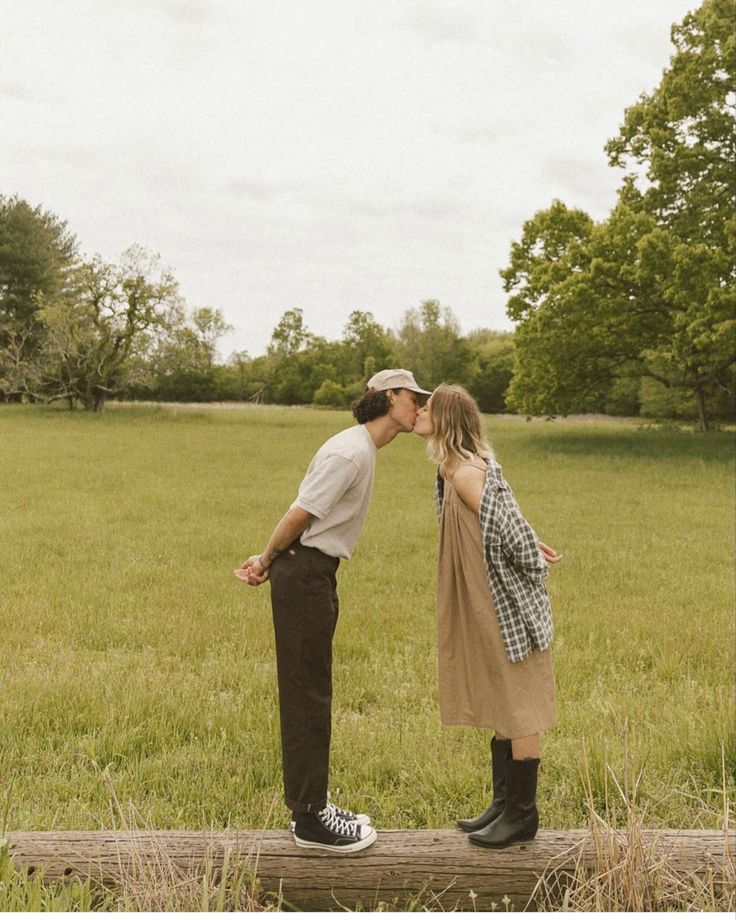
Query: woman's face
{"points": [[423, 425]]}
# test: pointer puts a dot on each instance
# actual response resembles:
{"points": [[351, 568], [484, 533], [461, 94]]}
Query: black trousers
{"points": [[305, 609]]}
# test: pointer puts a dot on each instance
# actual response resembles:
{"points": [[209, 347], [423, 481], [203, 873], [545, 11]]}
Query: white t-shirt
{"points": [[336, 489]]}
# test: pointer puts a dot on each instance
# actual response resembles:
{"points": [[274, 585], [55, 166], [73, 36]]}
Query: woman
{"points": [[494, 619]]}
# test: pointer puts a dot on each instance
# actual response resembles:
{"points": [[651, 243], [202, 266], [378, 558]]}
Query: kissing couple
{"points": [[494, 617]]}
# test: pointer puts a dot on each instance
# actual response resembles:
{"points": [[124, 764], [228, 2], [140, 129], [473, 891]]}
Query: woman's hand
{"points": [[551, 556]]}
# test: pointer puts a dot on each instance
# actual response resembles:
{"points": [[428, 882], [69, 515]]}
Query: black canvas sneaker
{"points": [[341, 813], [325, 830]]}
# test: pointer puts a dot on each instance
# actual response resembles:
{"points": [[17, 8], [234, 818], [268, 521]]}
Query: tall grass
{"points": [[634, 873], [629, 872], [127, 644]]}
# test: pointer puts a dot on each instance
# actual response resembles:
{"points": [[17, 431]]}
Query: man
{"points": [[301, 558]]}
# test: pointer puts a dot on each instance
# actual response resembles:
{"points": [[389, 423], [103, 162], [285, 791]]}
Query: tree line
{"points": [[631, 315], [85, 331]]}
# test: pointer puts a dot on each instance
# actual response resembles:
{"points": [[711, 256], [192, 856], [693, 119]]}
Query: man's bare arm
{"points": [[255, 569], [292, 525]]}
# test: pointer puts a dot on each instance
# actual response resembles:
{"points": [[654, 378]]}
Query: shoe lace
{"points": [[337, 824], [340, 812]]}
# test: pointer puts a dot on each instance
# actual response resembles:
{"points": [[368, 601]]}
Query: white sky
{"points": [[326, 154]]}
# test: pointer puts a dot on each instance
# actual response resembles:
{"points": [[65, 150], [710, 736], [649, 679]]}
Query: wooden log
{"points": [[401, 863]]}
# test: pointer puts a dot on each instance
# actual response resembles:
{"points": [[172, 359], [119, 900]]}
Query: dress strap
{"points": [[477, 464]]}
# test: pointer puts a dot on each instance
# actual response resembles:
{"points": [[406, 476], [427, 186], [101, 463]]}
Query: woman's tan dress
{"points": [[479, 686]]}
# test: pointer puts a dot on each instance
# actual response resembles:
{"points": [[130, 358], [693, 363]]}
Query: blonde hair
{"points": [[458, 426]]}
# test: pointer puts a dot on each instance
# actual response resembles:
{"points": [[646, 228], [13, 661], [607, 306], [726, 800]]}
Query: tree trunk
{"points": [[440, 865], [702, 417], [94, 402]]}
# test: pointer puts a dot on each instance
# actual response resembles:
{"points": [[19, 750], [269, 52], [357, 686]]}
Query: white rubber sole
{"points": [[347, 848]]}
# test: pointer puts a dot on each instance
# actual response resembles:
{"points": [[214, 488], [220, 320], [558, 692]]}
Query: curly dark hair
{"points": [[372, 404]]}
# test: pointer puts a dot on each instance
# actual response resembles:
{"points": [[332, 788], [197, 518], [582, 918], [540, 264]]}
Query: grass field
{"points": [[132, 661]]}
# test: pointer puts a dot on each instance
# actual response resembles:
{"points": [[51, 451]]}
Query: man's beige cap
{"points": [[395, 378]]}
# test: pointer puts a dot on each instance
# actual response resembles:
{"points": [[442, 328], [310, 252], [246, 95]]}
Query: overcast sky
{"points": [[332, 155]]}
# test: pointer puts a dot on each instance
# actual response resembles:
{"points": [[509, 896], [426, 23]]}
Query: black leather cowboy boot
{"points": [[519, 820], [500, 753]]}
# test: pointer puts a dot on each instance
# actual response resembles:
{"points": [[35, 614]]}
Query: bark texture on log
{"points": [[402, 862]]}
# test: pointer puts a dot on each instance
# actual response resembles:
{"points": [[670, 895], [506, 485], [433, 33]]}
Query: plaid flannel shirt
{"points": [[515, 567]]}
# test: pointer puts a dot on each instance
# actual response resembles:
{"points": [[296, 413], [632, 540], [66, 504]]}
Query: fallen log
{"points": [[438, 864]]}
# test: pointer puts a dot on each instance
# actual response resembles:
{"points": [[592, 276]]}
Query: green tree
{"points": [[298, 362], [239, 384], [38, 262], [100, 342], [287, 368], [548, 371], [210, 326], [429, 343], [331, 394], [183, 362], [260, 373], [365, 339], [494, 368], [683, 135], [579, 306], [650, 291], [552, 245], [633, 301], [290, 335], [37, 256], [678, 142]]}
